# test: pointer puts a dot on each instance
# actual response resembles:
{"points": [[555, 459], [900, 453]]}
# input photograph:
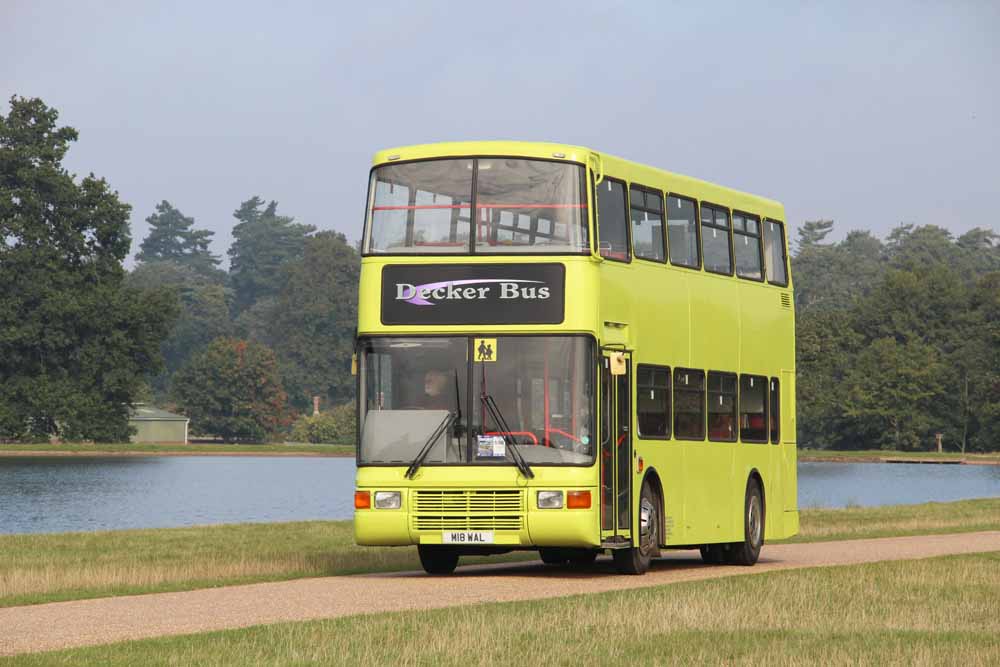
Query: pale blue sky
{"points": [[870, 113]]}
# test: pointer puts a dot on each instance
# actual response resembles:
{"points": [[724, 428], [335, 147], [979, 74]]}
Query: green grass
{"points": [[163, 449], [935, 611], [879, 454], [37, 568]]}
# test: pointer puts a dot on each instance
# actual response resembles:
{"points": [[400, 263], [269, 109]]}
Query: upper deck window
{"points": [[612, 219], [774, 253], [682, 231], [647, 223], [519, 206], [530, 206], [715, 239], [746, 240]]}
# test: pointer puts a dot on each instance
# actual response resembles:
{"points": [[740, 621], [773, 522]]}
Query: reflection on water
{"points": [[51, 494]]}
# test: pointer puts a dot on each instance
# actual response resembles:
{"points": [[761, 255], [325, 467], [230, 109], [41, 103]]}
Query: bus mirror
{"points": [[354, 364], [618, 363]]}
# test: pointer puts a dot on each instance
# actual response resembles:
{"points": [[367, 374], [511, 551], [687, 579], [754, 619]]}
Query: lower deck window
{"points": [[689, 404], [753, 408], [722, 406], [653, 404]]}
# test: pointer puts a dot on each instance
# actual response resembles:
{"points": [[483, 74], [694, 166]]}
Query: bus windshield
{"points": [[541, 386], [517, 206]]}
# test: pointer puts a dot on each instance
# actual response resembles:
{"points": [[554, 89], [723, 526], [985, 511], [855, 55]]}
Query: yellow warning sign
{"points": [[485, 349]]}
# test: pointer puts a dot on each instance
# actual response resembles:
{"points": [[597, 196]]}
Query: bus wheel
{"points": [[551, 556], [635, 560], [747, 551], [438, 560], [582, 556], [712, 554]]}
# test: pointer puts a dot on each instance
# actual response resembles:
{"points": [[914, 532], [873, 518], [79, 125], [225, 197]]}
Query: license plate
{"points": [[466, 537]]}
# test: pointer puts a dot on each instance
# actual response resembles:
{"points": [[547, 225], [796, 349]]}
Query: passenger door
{"points": [[616, 450]]}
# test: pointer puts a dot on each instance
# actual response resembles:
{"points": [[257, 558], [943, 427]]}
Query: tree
{"points": [[313, 320], [172, 238], [232, 389], [75, 342], [263, 243], [203, 316]]}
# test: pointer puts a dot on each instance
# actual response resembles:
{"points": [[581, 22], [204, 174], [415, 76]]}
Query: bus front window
{"points": [[543, 389], [410, 386], [521, 206]]}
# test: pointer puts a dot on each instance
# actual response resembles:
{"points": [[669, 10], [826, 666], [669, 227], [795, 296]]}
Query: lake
{"points": [[52, 494]]}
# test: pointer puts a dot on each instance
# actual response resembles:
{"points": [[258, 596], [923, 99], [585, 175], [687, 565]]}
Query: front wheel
{"points": [[636, 560], [438, 560], [748, 551]]}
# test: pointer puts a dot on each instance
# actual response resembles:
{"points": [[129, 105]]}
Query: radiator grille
{"points": [[482, 509], [485, 501], [426, 522]]}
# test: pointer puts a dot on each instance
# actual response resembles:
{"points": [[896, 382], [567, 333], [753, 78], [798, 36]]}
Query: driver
{"points": [[436, 396]]}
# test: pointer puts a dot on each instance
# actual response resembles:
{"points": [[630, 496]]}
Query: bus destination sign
{"points": [[473, 293]]}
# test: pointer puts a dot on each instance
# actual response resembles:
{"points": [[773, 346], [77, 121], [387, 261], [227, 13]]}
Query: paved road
{"points": [[106, 620]]}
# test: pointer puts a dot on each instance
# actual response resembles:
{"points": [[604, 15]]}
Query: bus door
{"points": [[616, 448]]}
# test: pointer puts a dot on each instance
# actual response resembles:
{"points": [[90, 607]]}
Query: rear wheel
{"points": [[635, 560], [748, 551], [438, 560], [712, 554], [551, 556], [562, 556]]}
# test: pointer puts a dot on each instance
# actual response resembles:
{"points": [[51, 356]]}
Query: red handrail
{"points": [[512, 433]]}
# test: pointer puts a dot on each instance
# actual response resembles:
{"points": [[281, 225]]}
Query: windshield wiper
{"points": [[505, 433], [425, 450]]}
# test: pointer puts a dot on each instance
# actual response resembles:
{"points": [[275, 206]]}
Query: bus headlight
{"points": [[550, 500], [387, 500]]}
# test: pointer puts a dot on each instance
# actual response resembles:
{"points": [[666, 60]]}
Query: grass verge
{"points": [[153, 449], [877, 455], [935, 611], [67, 566]]}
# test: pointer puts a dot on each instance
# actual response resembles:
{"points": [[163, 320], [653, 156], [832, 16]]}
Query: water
{"points": [[41, 495]]}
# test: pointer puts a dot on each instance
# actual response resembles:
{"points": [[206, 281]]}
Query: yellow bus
{"points": [[564, 351]]}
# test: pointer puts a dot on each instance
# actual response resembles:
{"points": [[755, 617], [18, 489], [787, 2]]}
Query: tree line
{"points": [[241, 352], [897, 340]]}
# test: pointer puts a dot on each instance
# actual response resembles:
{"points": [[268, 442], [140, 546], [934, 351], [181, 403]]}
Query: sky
{"points": [[868, 113]]}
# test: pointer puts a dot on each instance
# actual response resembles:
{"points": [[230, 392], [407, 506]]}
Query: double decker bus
{"points": [[564, 351]]}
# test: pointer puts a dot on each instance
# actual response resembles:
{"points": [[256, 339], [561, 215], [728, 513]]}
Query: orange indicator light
{"points": [[362, 500], [578, 500]]}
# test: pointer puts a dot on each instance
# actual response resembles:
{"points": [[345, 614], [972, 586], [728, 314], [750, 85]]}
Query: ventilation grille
{"points": [[486, 509], [786, 300], [479, 501], [512, 522]]}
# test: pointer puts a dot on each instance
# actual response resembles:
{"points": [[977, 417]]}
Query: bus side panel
{"points": [[789, 454]]}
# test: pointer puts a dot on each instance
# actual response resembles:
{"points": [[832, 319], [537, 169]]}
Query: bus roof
{"points": [[634, 171]]}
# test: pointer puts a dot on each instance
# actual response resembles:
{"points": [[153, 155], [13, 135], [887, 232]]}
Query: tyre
{"points": [[551, 556], [635, 560], [438, 560], [582, 556], [748, 551], [712, 554]]}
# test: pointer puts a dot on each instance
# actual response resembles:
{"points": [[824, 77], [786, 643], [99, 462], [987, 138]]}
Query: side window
{"points": [[647, 223], [753, 408], [653, 404], [774, 253], [775, 416], [746, 242], [715, 240], [682, 231], [689, 404], [722, 406], [613, 234]]}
